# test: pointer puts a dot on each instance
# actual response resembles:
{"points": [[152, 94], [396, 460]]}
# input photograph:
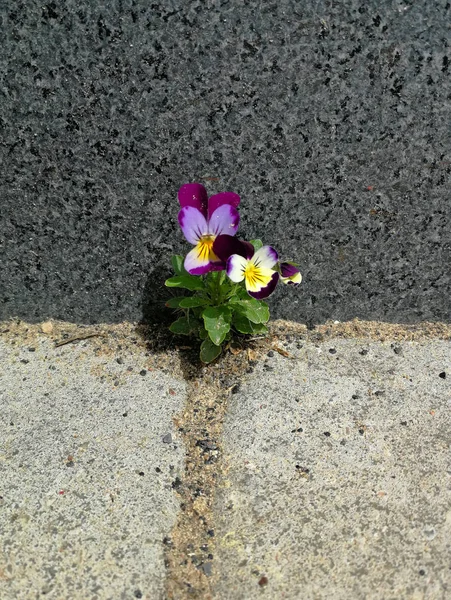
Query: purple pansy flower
{"points": [[255, 268], [290, 274], [202, 219]]}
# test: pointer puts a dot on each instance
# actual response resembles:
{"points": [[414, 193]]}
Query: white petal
{"points": [[235, 268], [265, 258]]}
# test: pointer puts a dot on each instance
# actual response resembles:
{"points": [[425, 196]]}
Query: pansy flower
{"points": [[290, 274], [202, 219], [255, 268]]}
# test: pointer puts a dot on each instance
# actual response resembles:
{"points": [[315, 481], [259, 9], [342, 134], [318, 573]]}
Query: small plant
{"points": [[228, 277]]}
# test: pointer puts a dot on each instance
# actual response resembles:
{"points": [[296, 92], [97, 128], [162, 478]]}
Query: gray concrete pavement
{"points": [[332, 473], [339, 475], [86, 472]]}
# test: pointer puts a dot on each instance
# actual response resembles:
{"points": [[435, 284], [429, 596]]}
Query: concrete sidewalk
{"points": [[338, 477], [332, 475], [88, 461]]}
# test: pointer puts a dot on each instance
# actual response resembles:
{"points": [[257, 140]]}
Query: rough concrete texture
{"points": [[331, 119], [86, 472], [339, 469]]}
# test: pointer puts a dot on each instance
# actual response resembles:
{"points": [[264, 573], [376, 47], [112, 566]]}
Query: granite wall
{"points": [[330, 119]]}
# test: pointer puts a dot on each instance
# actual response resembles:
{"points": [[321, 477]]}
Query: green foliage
{"points": [[256, 311], [192, 302], [257, 244], [173, 302], [215, 310], [189, 282], [182, 326], [177, 265], [217, 322], [209, 351]]}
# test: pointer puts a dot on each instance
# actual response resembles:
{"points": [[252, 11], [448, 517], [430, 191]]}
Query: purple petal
{"points": [[218, 200], [226, 245], [266, 291], [265, 258], [193, 224], [287, 270], [195, 195], [225, 219]]}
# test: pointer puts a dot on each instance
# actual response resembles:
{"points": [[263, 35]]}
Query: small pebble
{"points": [[442, 375], [143, 372], [167, 439], [47, 327]]}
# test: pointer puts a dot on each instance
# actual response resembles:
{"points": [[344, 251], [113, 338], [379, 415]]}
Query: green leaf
{"points": [[217, 322], [189, 282], [173, 302], [203, 333], [209, 351], [192, 302], [242, 293], [182, 326], [259, 328], [177, 265], [242, 323], [256, 311], [257, 244]]}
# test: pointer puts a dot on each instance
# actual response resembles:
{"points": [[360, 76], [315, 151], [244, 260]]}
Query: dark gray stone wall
{"points": [[330, 119]]}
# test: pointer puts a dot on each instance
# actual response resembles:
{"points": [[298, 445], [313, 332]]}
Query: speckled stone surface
{"points": [[330, 119], [339, 475], [86, 473]]}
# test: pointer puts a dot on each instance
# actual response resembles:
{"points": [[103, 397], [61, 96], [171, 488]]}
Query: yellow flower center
{"points": [[205, 248], [254, 276]]}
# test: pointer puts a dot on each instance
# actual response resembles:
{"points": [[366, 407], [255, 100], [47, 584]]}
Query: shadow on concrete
{"points": [[156, 319]]}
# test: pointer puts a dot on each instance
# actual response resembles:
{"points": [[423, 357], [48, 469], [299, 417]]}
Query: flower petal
{"points": [[236, 265], [193, 224], [288, 270], [256, 278], [225, 219], [195, 195], [290, 274], [197, 261], [265, 258], [226, 245], [266, 291], [218, 200]]}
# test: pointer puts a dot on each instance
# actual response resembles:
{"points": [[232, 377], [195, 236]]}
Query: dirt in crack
{"points": [[190, 549]]}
